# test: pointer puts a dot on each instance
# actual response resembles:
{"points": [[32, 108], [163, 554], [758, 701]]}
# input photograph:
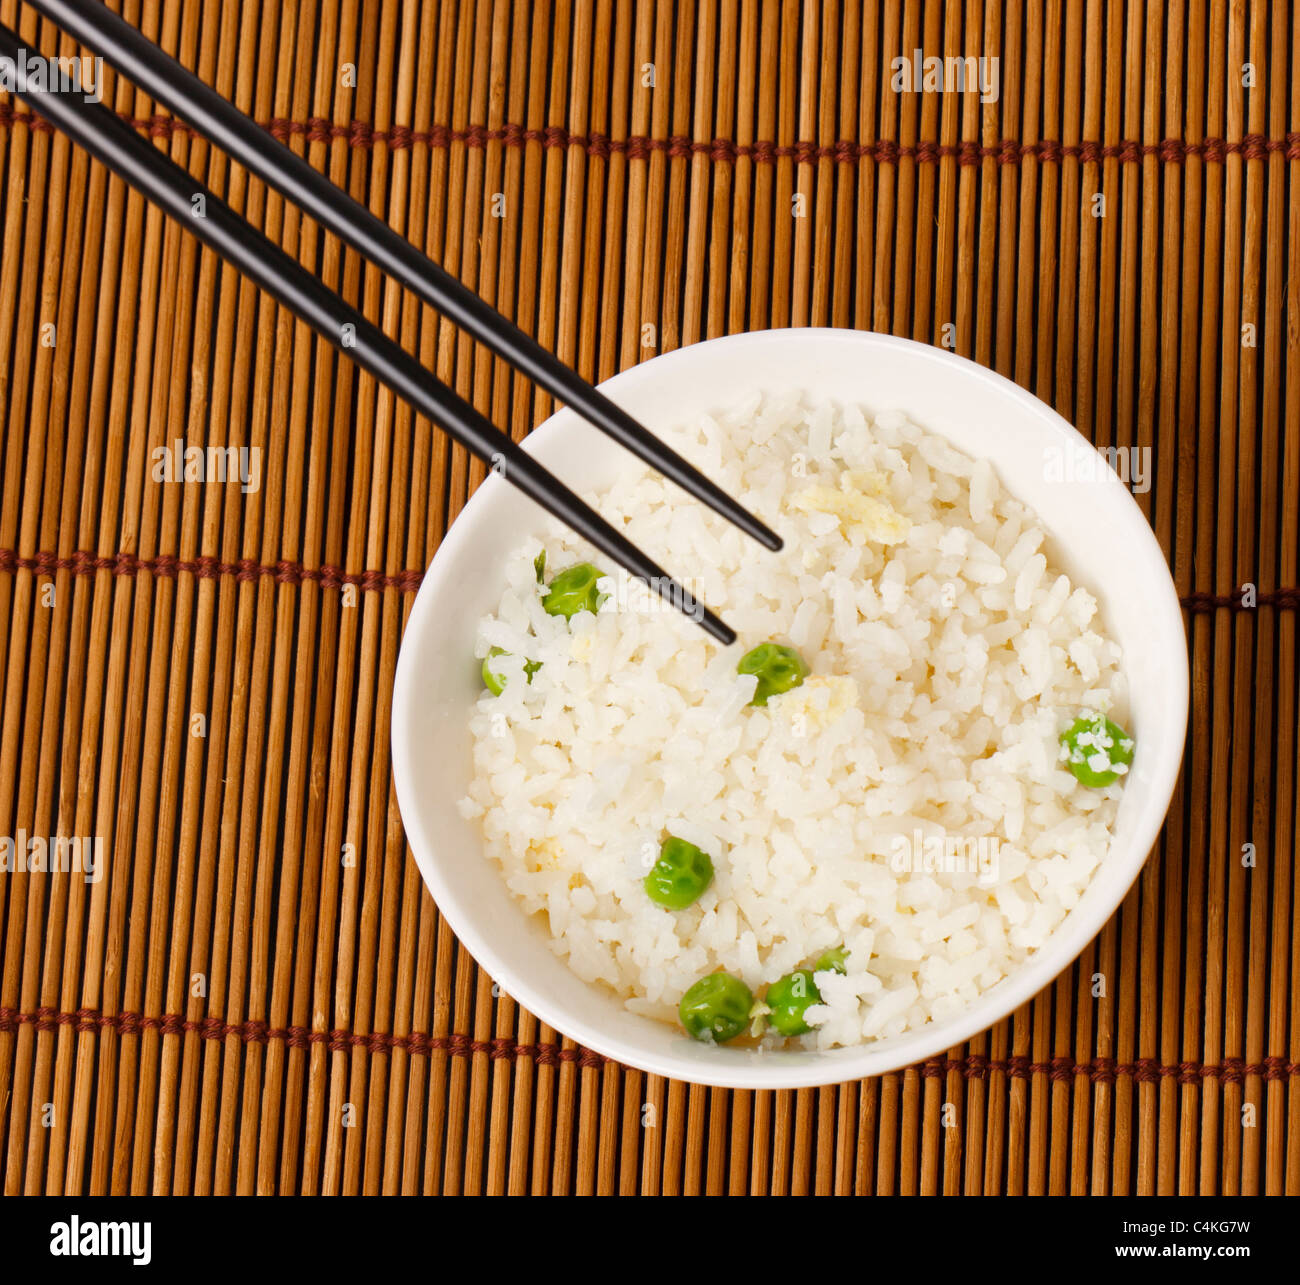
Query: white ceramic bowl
{"points": [[1099, 537]]}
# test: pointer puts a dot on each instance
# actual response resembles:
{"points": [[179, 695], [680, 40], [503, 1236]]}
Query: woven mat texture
{"points": [[259, 995]]}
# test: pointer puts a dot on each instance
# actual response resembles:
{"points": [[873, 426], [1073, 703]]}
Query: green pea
{"points": [[1093, 734], [835, 960], [494, 678], [779, 669], [680, 876], [573, 590], [716, 1008], [789, 999]]}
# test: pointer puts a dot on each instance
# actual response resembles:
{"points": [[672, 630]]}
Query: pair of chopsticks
{"points": [[141, 165]]}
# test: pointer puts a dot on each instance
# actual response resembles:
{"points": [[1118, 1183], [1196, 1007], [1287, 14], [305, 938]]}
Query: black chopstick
{"points": [[133, 158], [239, 136]]}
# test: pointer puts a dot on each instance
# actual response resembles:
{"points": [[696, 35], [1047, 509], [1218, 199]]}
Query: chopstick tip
{"points": [[717, 629]]}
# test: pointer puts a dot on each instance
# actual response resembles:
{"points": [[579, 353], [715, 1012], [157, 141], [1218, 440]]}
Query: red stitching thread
{"points": [[1211, 601], [362, 134], [245, 570], [1060, 1070]]}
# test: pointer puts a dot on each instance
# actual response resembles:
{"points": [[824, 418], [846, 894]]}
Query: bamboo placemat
{"points": [[259, 995]]}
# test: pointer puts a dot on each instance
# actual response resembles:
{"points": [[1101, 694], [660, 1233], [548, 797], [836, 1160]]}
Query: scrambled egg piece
{"points": [[545, 854], [858, 504], [818, 701]]}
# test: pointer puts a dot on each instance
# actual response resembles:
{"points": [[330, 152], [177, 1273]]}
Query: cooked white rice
{"points": [[947, 655]]}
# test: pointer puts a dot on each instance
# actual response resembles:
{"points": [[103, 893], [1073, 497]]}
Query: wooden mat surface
{"points": [[259, 995]]}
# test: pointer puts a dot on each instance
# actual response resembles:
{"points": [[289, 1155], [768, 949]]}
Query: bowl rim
{"points": [[823, 1067]]}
